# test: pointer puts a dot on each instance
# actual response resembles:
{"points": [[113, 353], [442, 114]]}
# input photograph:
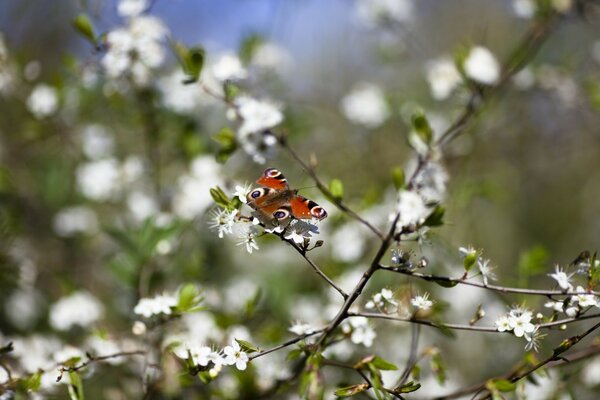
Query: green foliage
{"points": [[76, 386], [421, 127], [83, 25], [227, 144], [436, 218], [250, 44], [438, 367], [532, 261], [247, 347], [352, 390], [399, 178], [223, 200], [336, 187], [191, 60], [408, 387], [189, 300]]}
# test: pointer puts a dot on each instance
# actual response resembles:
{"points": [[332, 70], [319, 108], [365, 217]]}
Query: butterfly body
{"points": [[276, 202]]}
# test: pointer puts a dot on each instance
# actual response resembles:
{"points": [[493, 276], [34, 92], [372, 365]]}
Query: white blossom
{"points": [[96, 142], [270, 56], [519, 321], [503, 323], [235, 355], [486, 270], [141, 205], [381, 299], [192, 196], [180, 97], [443, 77], [348, 243], [256, 115], [481, 66], [99, 180], [561, 278], [228, 67], [223, 221], [583, 299], [135, 49], [79, 308], [373, 12], [298, 231], [412, 208], [43, 101], [365, 105], [131, 8], [524, 8], [241, 192], [73, 220], [361, 331], [300, 328], [421, 302], [159, 304], [248, 238]]}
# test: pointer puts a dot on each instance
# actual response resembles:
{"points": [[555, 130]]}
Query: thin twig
{"points": [[503, 289], [92, 359], [284, 344]]}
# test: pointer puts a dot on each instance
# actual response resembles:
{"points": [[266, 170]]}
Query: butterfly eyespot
{"points": [[256, 193], [272, 172], [318, 212], [281, 214]]}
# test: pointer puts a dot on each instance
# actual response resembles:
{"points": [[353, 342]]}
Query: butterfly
{"points": [[276, 202]]}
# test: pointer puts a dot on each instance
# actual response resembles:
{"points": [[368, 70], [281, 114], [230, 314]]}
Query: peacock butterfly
{"points": [[276, 202]]}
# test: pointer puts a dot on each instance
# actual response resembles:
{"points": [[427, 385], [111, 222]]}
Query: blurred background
{"points": [[104, 180]]}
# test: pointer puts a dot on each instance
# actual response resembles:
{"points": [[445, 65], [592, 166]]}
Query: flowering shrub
{"points": [[195, 221]]}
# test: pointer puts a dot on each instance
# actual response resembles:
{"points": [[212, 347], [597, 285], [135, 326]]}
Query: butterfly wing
{"points": [[303, 208], [274, 179]]}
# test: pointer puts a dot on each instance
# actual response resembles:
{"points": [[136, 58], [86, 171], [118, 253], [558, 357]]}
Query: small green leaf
{"points": [[33, 382], [399, 178], [446, 284], [76, 386], [189, 299], [407, 387], [220, 197], [231, 90], [383, 365], [470, 260], [351, 390], [294, 354], [422, 127], [83, 24], [436, 218], [336, 187], [438, 367], [191, 60], [249, 46], [504, 385], [247, 347]]}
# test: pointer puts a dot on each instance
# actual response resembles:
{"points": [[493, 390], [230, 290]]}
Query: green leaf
{"points": [[504, 385], [249, 46], [336, 187], [407, 387], [219, 197], [252, 303], [422, 127], [446, 284], [351, 390], [436, 218], [83, 25], [383, 365], [33, 382], [438, 367], [191, 60], [231, 90], [228, 144], [470, 260], [294, 354], [189, 299], [398, 178], [76, 386], [247, 347]]}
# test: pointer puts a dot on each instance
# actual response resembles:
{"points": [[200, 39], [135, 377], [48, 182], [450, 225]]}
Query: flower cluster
{"points": [[157, 305], [136, 49], [213, 360], [574, 305], [382, 301], [360, 331], [472, 256], [518, 320]]}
